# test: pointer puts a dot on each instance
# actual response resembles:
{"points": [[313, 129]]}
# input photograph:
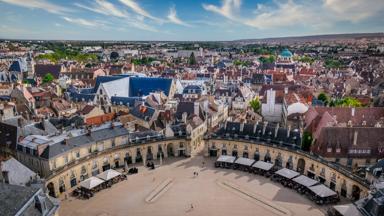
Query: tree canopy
{"points": [[269, 59], [48, 78], [255, 104], [65, 54], [307, 141], [323, 97], [192, 59], [346, 102]]}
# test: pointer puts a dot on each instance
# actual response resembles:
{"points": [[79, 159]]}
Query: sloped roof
{"points": [[139, 86]]}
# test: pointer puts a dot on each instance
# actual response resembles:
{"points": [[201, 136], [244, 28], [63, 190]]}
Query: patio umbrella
{"points": [[91, 182], [108, 174]]}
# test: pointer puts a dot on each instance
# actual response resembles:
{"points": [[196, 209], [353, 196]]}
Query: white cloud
{"points": [[285, 14], [228, 9], [133, 5], [83, 22], [354, 10], [172, 17], [39, 4], [314, 13], [104, 7]]}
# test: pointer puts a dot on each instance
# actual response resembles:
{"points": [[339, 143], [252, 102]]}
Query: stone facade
{"points": [[336, 178]]}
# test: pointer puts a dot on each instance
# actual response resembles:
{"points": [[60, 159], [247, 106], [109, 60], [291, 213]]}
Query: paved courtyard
{"points": [[171, 189]]}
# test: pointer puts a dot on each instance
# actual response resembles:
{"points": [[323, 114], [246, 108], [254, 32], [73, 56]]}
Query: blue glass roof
{"points": [[125, 100], [104, 79], [139, 86], [15, 66]]}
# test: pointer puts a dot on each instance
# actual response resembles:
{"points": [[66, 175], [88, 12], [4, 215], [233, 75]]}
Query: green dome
{"points": [[286, 53]]}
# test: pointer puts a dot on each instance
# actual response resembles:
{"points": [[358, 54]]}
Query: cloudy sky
{"points": [[185, 19]]}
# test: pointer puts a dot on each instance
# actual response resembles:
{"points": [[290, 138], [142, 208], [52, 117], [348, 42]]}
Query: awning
{"points": [[108, 174], [305, 181], [347, 210], [322, 191], [91, 182], [226, 159], [287, 173], [244, 161], [263, 165]]}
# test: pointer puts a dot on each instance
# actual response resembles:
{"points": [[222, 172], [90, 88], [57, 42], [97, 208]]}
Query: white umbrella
{"points": [[108, 174], [91, 182]]}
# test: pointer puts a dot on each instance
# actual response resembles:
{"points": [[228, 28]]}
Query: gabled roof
{"points": [[42, 69]]}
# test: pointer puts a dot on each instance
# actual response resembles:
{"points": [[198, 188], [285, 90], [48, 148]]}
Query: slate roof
{"points": [[143, 112], [126, 100], [14, 197], [42, 69], [95, 136], [192, 89], [15, 66], [272, 133]]}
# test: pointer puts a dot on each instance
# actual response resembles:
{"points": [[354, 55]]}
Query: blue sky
{"points": [[185, 19]]}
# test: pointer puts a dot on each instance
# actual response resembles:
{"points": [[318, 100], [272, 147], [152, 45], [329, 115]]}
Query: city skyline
{"points": [[212, 20]]}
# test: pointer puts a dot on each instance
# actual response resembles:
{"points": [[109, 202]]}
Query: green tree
{"points": [[255, 104], [48, 78], [323, 97], [346, 102], [192, 59], [307, 141]]}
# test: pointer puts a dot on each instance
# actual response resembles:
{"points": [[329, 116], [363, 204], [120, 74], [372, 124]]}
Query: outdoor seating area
{"points": [[304, 185], [94, 184], [285, 176], [262, 168], [225, 161]]}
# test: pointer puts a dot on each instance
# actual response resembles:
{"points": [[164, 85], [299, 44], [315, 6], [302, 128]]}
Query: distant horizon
{"points": [[185, 20], [350, 35]]}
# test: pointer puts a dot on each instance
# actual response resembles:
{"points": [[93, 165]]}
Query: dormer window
{"points": [[338, 150], [329, 149]]}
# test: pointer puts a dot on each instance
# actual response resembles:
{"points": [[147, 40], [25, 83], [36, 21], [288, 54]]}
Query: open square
{"points": [[173, 189]]}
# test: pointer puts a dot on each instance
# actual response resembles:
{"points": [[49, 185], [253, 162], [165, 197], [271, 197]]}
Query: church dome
{"points": [[286, 53]]}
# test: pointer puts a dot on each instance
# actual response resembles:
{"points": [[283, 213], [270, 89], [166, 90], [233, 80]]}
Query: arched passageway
{"points": [[301, 165], [51, 189]]}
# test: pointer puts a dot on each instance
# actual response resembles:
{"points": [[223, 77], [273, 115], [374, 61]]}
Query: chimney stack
{"points": [[196, 108], [241, 126], [255, 127], [265, 127], [289, 131], [276, 129]]}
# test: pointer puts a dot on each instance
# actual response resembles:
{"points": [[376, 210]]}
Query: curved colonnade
{"points": [[333, 176]]}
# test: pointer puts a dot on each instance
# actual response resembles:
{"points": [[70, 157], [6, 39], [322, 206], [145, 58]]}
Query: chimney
{"points": [[255, 127], [196, 108], [241, 126], [355, 138], [285, 90], [289, 131], [276, 129], [353, 111], [265, 127], [184, 117]]}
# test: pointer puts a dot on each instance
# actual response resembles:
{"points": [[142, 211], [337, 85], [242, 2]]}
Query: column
{"points": [[164, 148], [143, 152], [155, 150]]}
